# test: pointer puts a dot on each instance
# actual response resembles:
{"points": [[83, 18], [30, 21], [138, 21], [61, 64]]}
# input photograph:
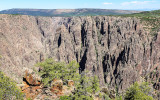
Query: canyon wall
{"points": [[118, 50]]}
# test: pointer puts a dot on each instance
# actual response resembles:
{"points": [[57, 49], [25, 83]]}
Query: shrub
{"points": [[76, 97], [138, 92], [95, 84], [60, 70], [82, 97], [87, 86], [118, 98], [106, 97], [66, 98], [8, 89]]}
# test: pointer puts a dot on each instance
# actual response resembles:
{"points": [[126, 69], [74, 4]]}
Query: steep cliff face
{"points": [[118, 50]]}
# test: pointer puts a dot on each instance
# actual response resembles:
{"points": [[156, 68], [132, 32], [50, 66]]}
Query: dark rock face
{"points": [[118, 50]]}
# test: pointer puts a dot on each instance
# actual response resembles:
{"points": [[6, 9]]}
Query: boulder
{"points": [[105, 90], [31, 86], [57, 86], [30, 80], [70, 83]]}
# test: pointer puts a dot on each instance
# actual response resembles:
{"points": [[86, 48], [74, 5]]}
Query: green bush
{"points": [[84, 90], [138, 92], [118, 98], [76, 97], [95, 84], [106, 97], [87, 87], [82, 97], [90, 84], [60, 70], [66, 98], [8, 89]]}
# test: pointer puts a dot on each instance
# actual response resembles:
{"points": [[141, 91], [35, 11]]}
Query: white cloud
{"points": [[107, 3], [136, 3]]}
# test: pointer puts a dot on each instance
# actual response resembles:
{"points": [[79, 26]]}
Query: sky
{"points": [[75, 4]]}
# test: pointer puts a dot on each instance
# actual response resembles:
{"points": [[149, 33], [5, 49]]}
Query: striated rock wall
{"points": [[118, 50]]}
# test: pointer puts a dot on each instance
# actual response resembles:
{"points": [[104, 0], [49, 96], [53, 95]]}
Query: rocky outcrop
{"points": [[31, 80], [31, 86], [34, 89], [118, 50]]}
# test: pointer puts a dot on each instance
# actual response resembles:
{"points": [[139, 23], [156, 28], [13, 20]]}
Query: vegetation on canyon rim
{"points": [[8, 89], [150, 18], [85, 86], [138, 92], [60, 70], [51, 69]]}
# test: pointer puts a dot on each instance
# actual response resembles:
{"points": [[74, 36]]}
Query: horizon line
{"points": [[146, 9]]}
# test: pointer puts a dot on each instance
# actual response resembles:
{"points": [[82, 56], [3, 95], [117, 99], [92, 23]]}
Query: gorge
{"points": [[119, 50]]}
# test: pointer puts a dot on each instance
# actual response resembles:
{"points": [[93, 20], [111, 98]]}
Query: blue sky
{"points": [[72, 4]]}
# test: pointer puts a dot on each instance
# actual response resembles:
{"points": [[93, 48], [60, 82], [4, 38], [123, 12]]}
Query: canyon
{"points": [[119, 50]]}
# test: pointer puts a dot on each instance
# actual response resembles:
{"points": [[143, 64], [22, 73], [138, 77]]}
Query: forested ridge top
{"points": [[67, 12]]}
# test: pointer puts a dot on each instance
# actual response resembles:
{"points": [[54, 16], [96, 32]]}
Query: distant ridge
{"points": [[68, 12]]}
